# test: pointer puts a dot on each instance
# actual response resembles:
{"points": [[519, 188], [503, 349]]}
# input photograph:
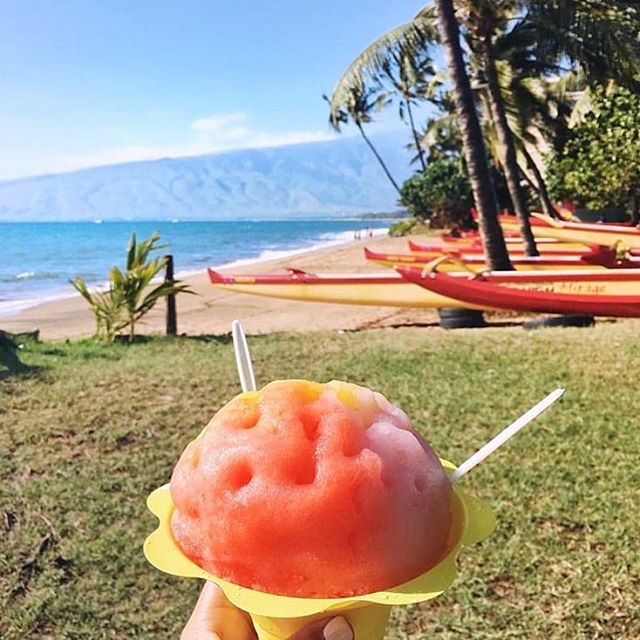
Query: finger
{"points": [[215, 618], [334, 629]]}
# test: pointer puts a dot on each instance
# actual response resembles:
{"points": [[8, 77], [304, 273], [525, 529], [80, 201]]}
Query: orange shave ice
{"points": [[311, 490]]}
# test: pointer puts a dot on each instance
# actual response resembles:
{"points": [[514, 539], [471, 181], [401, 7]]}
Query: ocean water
{"points": [[38, 259]]}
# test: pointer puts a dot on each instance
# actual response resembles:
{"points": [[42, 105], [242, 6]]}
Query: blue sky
{"points": [[88, 82]]}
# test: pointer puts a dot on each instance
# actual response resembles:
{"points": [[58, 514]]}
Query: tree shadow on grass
{"points": [[504, 323], [412, 324], [157, 338], [218, 339], [10, 364]]}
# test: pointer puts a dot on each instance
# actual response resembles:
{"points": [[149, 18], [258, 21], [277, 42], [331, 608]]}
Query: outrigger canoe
{"points": [[476, 238], [514, 248], [602, 293], [379, 290], [601, 257], [395, 290], [603, 234]]}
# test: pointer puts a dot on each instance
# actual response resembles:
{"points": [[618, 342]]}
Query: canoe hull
{"points": [[603, 234], [545, 248], [614, 294], [378, 291], [598, 258]]}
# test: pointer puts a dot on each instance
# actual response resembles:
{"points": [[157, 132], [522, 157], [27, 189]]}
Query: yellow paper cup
{"points": [[277, 617], [366, 620]]}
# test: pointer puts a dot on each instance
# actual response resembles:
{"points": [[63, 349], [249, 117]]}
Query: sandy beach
{"points": [[211, 311]]}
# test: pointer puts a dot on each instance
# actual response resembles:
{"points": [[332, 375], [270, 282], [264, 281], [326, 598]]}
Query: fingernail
{"points": [[338, 629]]}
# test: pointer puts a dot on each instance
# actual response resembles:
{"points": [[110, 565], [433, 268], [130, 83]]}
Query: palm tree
{"points": [[537, 183], [441, 134], [411, 42], [540, 112], [359, 103], [538, 103], [398, 58], [472, 141], [595, 35], [403, 44], [413, 79], [482, 20], [595, 38]]}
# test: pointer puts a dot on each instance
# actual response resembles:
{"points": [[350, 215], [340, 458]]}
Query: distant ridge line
{"points": [[336, 178]]}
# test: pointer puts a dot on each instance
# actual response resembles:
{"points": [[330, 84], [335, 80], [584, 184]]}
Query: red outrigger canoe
{"points": [[538, 292]]}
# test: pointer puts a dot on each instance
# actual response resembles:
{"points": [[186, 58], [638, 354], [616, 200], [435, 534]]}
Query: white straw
{"points": [[504, 435], [243, 357]]}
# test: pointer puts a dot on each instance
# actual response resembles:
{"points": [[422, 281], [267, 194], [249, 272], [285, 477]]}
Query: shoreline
{"points": [[271, 255], [212, 310], [11, 308]]}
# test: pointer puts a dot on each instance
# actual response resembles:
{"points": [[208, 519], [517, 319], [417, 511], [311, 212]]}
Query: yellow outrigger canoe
{"points": [[392, 290], [598, 258], [607, 235], [377, 290]]}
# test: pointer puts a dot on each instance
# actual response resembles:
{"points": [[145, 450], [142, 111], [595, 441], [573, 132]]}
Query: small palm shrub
{"points": [[129, 295]]}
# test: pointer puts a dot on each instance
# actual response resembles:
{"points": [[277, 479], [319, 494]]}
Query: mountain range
{"points": [[335, 177]]}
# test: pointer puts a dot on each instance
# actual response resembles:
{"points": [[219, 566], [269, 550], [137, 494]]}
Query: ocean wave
{"points": [[30, 275], [13, 307]]}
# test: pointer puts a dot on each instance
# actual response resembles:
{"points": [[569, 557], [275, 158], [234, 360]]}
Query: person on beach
{"points": [[215, 618]]}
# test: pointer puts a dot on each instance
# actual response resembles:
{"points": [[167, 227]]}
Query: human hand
{"points": [[215, 618]]}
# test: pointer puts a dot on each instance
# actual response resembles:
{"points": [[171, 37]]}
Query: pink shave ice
{"points": [[311, 490]]}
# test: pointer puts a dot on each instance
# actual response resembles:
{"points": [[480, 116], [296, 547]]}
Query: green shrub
{"points": [[441, 195], [402, 227], [599, 166]]}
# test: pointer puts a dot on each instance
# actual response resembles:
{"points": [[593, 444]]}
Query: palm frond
{"points": [[601, 36], [401, 44], [132, 252], [161, 291], [81, 287]]}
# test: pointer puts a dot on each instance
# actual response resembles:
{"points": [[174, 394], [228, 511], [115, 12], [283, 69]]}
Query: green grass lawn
{"points": [[87, 431]]}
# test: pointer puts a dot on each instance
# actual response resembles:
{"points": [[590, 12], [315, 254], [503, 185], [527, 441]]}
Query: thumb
{"points": [[335, 629]]}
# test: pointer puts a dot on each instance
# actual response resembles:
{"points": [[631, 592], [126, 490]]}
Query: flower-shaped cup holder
{"points": [[276, 616]]}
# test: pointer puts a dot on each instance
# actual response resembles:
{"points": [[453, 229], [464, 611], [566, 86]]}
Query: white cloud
{"points": [[215, 123], [232, 131], [212, 134]]}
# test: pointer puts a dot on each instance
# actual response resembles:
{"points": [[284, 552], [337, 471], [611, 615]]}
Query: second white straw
{"points": [[504, 435], [243, 357]]}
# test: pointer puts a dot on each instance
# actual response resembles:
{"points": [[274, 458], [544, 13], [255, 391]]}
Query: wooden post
{"points": [[172, 320]]}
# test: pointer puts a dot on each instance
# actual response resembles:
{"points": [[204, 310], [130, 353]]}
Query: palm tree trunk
{"points": [[541, 186], [416, 138], [472, 142], [377, 155], [507, 146]]}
